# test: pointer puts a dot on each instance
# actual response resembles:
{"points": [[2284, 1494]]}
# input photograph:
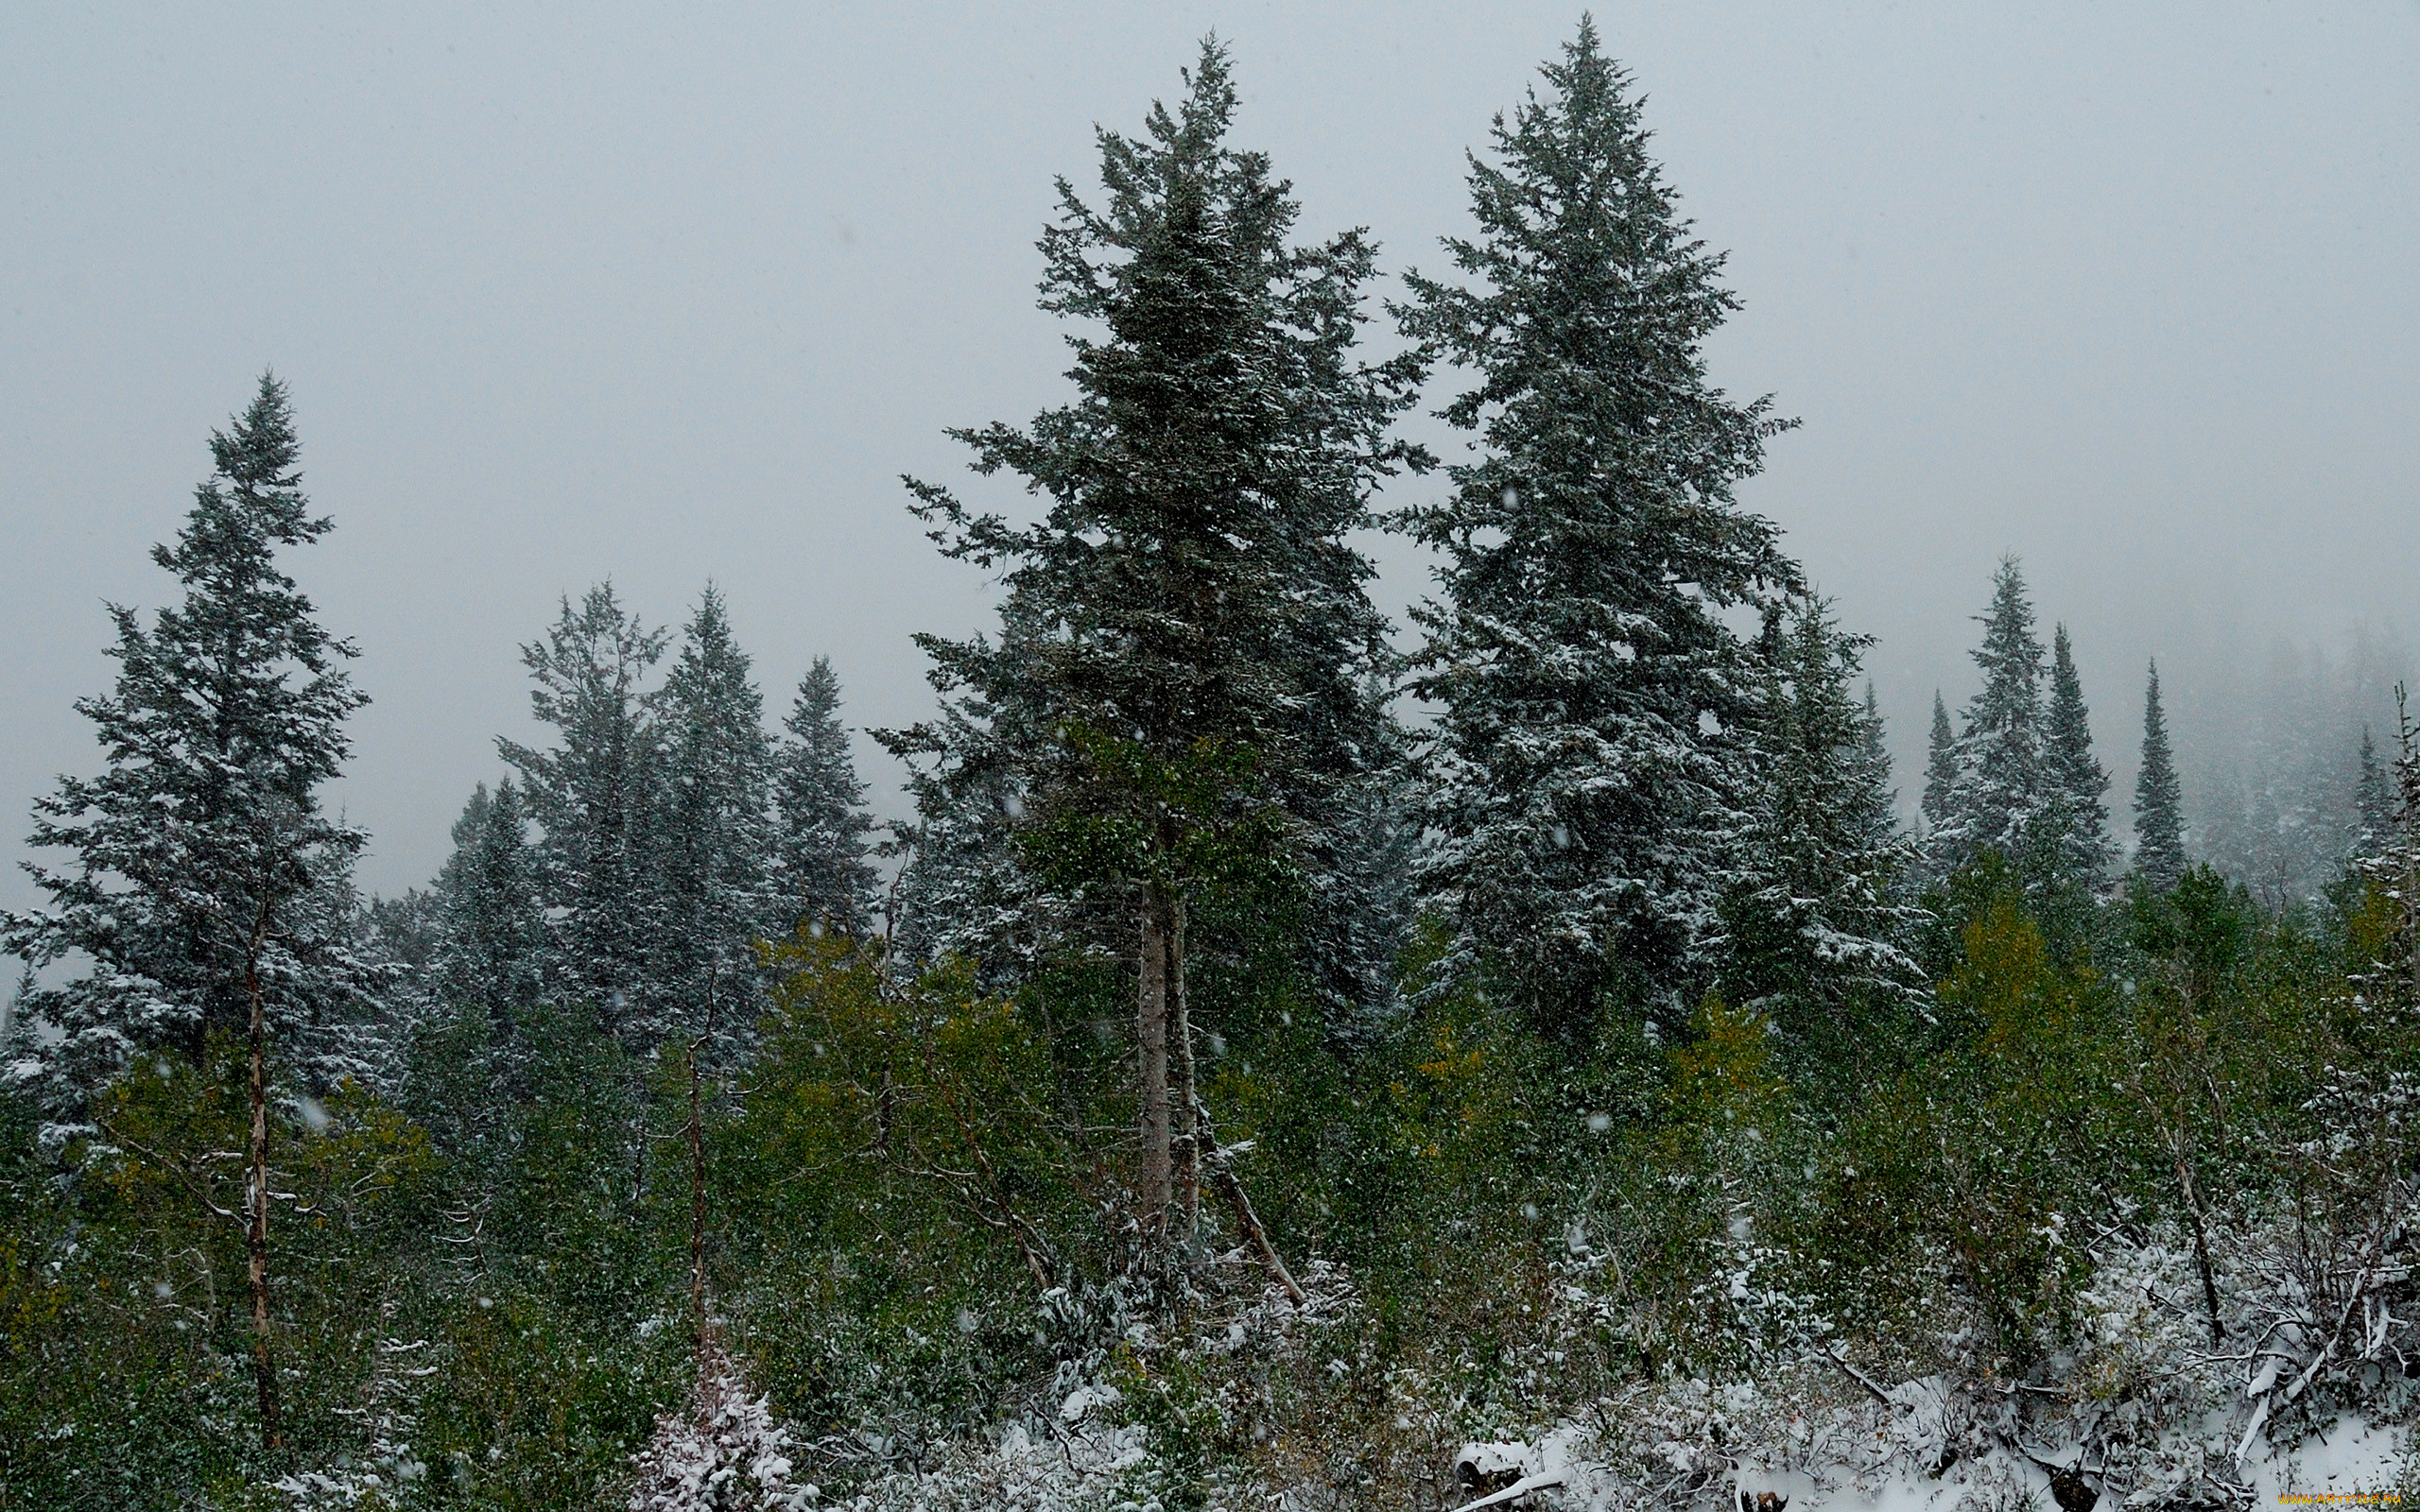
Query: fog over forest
{"points": [[1197, 759], [2127, 293]]}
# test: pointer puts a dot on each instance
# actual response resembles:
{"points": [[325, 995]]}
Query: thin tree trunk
{"points": [[696, 1200], [1250, 1223], [2412, 902], [256, 1228], [1230, 1186], [2200, 1241], [697, 1178], [1184, 1095], [1152, 1072]]}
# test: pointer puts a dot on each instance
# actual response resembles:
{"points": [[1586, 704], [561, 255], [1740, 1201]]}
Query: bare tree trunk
{"points": [[1184, 1095], [2411, 901], [257, 1225], [1151, 1070], [1250, 1223], [2201, 1243], [697, 1178], [696, 1200], [1230, 1186]]}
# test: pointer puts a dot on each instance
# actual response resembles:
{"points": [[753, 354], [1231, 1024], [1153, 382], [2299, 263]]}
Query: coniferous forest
{"points": [[1541, 1054]]}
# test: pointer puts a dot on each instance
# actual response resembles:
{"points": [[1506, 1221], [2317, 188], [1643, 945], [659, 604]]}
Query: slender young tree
{"points": [[2373, 799], [1588, 758], [1879, 820], [1941, 782], [2159, 799], [2078, 782], [205, 890], [824, 875], [1186, 642]]}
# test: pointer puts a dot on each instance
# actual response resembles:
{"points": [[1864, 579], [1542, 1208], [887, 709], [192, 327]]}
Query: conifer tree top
{"points": [[1224, 440], [200, 852], [1589, 753], [2159, 820], [1588, 301]]}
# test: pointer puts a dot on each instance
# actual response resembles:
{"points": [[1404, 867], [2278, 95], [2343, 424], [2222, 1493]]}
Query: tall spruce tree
{"points": [[490, 962], [714, 847], [2002, 794], [1589, 755], [825, 877], [595, 799], [1185, 642], [2159, 799], [206, 892], [2079, 783], [1811, 928]]}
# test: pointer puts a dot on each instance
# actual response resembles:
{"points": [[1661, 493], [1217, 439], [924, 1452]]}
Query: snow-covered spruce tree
{"points": [[1588, 756], [1880, 822], [485, 974], [713, 845], [1811, 927], [1186, 647], [1938, 805], [490, 953], [2079, 783], [2159, 799], [206, 893], [824, 874], [2002, 792], [963, 891], [593, 799]]}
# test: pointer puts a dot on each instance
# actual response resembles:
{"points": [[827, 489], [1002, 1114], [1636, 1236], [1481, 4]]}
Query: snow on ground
{"points": [[2303, 1393]]}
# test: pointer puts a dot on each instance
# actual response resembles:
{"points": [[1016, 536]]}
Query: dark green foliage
{"points": [[2159, 799], [123, 1333], [1940, 772], [822, 872], [2079, 785], [594, 799], [1589, 747], [2001, 799], [201, 850], [1674, 1089], [711, 849], [488, 968], [1812, 928], [1191, 580]]}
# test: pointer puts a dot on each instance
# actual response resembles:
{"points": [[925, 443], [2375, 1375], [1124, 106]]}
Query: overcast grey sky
{"points": [[674, 294]]}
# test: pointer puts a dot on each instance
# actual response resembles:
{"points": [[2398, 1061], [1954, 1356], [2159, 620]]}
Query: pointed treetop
{"points": [[2159, 820], [2078, 782], [1941, 766]]}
